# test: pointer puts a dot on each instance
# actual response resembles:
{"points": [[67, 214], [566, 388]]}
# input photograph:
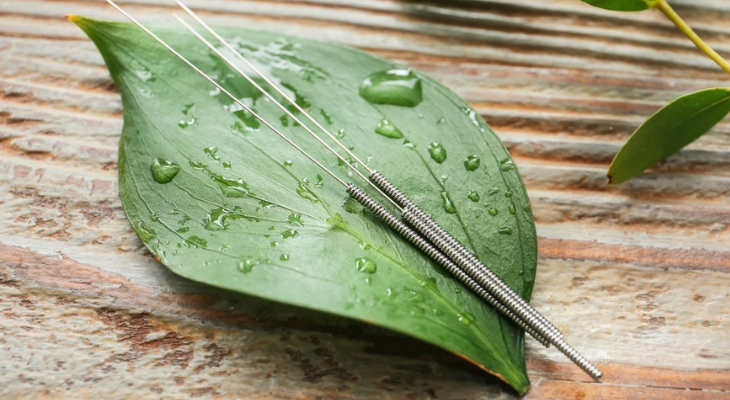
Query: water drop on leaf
{"points": [[387, 129], [437, 151], [164, 171], [366, 265], [399, 87]]}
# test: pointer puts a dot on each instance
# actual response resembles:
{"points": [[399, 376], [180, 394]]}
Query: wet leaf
{"points": [[622, 5], [221, 200], [666, 132]]}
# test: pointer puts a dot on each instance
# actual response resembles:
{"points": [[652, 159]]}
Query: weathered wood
{"points": [[637, 275]]}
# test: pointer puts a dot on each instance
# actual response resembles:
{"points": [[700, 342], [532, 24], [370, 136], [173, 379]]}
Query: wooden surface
{"points": [[637, 276]]}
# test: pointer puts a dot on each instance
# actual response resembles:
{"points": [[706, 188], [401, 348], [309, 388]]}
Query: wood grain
{"points": [[637, 275]]}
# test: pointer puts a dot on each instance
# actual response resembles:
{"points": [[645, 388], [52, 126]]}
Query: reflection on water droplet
{"points": [[473, 117], [366, 265], [363, 245], [245, 264], [400, 87], [448, 204], [505, 230], [295, 219], [289, 233], [473, 196], [305, 192], [187, 123], [284, 257], [288, 163], [437, 151], [471, 163], [164, 171], [274, 244], [387, 129], [465, 318], [512, 209]]}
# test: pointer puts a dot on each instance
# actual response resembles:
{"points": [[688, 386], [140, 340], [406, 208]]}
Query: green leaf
{"points": [[220, 199], [622, 5], [666, 132]]}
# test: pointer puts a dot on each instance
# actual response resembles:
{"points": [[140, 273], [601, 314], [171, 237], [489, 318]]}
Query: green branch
{"points": [[679, 22]]}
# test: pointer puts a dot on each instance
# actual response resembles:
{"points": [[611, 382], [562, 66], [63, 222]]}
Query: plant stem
{"points": [[679, 22]]}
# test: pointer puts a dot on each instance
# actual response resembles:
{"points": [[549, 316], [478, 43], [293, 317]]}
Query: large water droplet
{"points": [[400, 87], [448, 204], [437, 151], [387, 129], [473, 196], [245, 264], [164, 171], [366, 265], [471, 163], [217, 220], [305, 192]]}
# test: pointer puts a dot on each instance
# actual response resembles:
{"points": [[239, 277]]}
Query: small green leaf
{"points": [[622, 5], [666, 132], [220, 199]]}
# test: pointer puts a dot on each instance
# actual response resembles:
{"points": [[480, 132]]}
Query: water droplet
{"points": [[512, 209], [493, 211], [245, 265], [143, 72], [465, 318], [408, 144], [217, 220], [448, 204], [186, 109], [364, 245], [187, 123], [415, 296], [274, 244], [505, 230], [154, 217], [366, 265], [437, 151], [164, 171], [284, 120], [288, 163], [194, 241], [473, 117], [295, 219], [212, 152], [305, 192], [145, 233], [507, 194], [473, 196], [400, 87], [352, 206], [226, 164], [340, 134], [326, 116], [284, 257], [441, 121], [493, 191], [507, 164], [458, 290], [289, 233], [471, 163], [387, 129]]}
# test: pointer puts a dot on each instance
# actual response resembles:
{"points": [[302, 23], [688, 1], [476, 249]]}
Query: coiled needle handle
{"points": [[430, 250]]}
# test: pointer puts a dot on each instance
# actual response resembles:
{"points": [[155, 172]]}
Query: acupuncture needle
{"points": [[414, 215], [357, 193]]}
